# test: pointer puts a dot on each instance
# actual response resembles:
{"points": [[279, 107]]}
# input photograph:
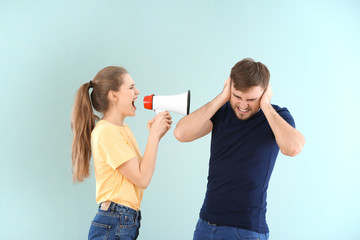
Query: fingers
{"points": [[167, 122], [227, 81], [167, 118], [266, 96], [149, 124], [164, 115], [225, 94], [161, 123]]}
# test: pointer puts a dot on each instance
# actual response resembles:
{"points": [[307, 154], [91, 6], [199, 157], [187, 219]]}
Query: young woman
{"points": [[121, 172]]}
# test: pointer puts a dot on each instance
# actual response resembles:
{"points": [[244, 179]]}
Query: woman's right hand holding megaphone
{"points": [[160, 124]]}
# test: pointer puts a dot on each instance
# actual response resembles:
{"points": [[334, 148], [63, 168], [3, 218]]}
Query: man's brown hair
{"points": [[247, 73]]}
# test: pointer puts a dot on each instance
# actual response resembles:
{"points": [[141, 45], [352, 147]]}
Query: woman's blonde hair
{"points": [[83, 117]]}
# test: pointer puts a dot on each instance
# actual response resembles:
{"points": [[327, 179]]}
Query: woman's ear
{"points": [[112, 96]]}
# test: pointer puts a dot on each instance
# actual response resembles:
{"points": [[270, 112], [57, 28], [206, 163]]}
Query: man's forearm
{"points": [[196, 124]]}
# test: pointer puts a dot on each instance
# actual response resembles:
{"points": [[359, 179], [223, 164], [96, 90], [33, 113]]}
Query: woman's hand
{"points": [[160, 124]]}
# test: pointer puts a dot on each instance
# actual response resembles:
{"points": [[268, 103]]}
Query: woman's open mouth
{"points": [[133, 103]]}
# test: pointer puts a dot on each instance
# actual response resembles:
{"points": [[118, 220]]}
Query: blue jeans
{"points": [[208, 231], [118, 222]]}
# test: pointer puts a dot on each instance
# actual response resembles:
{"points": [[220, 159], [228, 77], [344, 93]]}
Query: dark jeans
{"points": [[208, 231], [118, 222]]}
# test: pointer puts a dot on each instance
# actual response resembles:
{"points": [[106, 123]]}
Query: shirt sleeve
{"points": [[114, 149], [215, 118], [285, 114]]}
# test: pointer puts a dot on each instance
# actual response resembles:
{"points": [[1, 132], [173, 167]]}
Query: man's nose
{"points": [[243, 105]]}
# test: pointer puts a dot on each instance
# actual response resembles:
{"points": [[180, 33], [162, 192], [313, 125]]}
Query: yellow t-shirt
{"points": [[112, 146]]}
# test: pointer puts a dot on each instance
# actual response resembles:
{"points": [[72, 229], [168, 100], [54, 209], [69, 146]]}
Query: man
{"points": [[247, 133]]}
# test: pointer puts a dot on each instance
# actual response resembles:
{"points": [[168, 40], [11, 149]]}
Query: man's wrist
{"points": [[218, 101], [266, 107]]}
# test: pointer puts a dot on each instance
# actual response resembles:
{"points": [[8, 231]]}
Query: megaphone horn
{"points": [[175, 103]]}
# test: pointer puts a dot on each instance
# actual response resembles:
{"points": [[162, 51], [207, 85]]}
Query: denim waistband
{"points": [[118, 208]]}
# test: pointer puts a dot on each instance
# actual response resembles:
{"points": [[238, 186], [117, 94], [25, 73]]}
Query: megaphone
{"points": [[175, 103]]}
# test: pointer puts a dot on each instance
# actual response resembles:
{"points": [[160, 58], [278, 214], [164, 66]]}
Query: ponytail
{"points": [[83, 118], [82, 123]]}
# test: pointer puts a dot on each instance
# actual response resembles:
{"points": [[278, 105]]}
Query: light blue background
{"points": [[49, 48]]}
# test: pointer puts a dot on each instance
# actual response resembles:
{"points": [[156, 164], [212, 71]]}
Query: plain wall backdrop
{"points": [[49, 48]]}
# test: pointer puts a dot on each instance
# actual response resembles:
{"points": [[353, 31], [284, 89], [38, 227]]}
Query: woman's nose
{"points": [[137, 92]]}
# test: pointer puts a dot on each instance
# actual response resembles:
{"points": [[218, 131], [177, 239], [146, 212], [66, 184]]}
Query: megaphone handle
{"points": [[159, 111]]}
